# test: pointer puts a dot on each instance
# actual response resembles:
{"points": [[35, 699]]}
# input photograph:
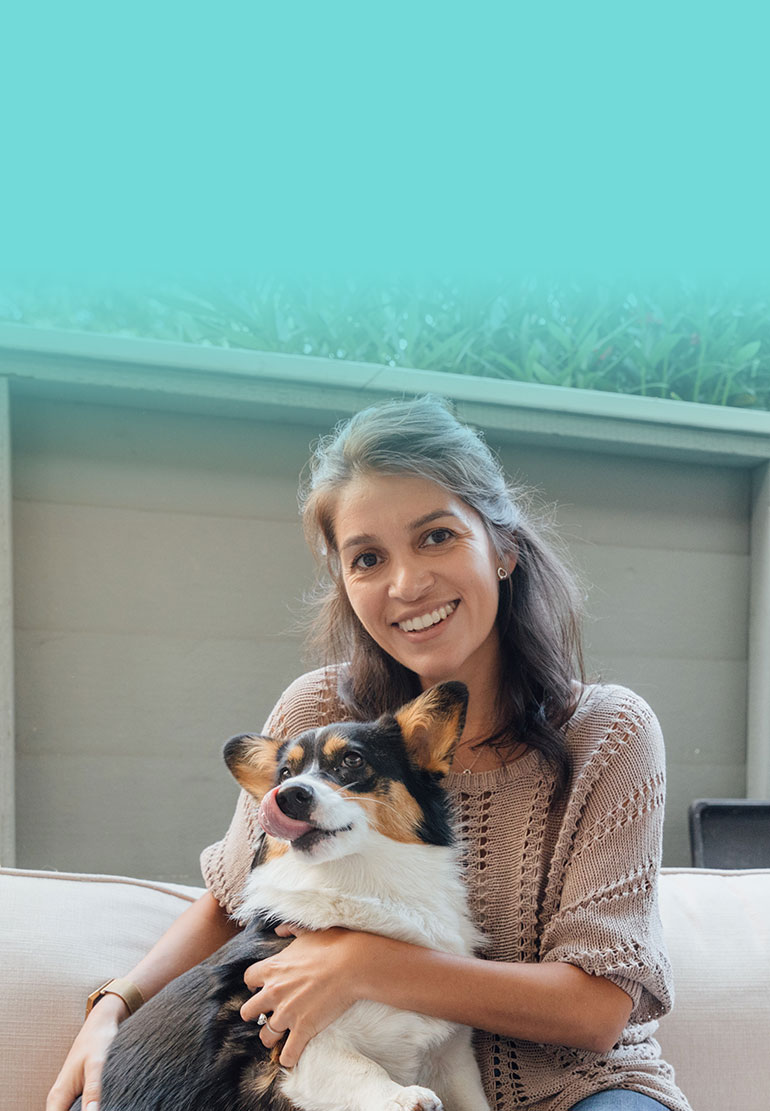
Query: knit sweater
{"points": [[571, 880]]}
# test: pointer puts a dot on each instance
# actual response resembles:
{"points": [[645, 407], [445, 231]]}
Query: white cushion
{"points": [[717, 926], [61, 936]]}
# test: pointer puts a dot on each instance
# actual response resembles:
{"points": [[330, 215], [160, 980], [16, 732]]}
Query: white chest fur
{"points": [[410, 892]]}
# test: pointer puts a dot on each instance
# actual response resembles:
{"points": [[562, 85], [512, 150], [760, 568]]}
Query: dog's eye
{"points": [[284, 773], [352, 760]]}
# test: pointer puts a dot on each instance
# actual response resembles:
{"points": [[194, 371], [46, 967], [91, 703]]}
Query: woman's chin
{"points": [[435, 671]]}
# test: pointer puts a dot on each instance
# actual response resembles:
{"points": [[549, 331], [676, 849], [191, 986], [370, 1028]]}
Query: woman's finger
{"points": [[254, 976], [62, 1095], [254, 1007], [289, 929], [92, 1086], [292, 1050], [272, 1030]]}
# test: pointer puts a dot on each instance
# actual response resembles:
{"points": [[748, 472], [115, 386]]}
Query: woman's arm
{"points": [[554, 1003], [195, 935], [318, 976]]}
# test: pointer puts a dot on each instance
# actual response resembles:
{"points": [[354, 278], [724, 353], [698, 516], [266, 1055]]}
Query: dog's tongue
{"points": [[276, 823]]}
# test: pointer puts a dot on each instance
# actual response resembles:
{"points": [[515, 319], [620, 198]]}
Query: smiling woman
{"points": [[434, 570]]}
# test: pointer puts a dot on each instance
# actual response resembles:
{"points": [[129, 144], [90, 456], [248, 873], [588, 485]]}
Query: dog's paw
{"points": [[414, 1099]]}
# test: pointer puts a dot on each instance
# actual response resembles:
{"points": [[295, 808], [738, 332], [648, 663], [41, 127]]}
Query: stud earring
{"points": [[502, 573]]}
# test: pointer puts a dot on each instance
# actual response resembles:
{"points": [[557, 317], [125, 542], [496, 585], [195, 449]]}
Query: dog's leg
{"points": [[332, 1076], [453, 1072]]}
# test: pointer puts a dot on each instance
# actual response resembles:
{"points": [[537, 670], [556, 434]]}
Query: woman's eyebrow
{"points": [[420, 522], [434, 516], [354, 541]]}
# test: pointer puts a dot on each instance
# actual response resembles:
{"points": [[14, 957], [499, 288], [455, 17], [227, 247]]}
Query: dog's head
{"points": [[322, 791]]}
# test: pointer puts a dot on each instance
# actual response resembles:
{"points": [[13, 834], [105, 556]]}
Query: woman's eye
{"points": [[438, 536], [352, 760], [366, 560]]}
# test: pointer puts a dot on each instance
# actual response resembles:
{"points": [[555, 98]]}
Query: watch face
{"points": [[95, 996]]}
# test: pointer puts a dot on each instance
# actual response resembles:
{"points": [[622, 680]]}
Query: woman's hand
{"points": [[307, 985], [82, 1069]]}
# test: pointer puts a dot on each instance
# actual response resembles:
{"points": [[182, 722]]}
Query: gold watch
{"points": [[128, 992]]}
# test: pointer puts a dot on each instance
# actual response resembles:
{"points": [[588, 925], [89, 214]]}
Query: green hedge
{"points": [[692, 343]]}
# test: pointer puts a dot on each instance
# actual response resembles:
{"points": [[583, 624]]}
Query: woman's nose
{"points": [[410, 581]]}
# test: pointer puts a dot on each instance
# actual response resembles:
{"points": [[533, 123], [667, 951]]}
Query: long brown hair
{"points": [[539, 608]]}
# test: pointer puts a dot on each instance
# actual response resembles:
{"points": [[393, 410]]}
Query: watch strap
{"points": [[126, 989]]}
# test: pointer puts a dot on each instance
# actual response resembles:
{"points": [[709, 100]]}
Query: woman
{"points": [[435, 572]]}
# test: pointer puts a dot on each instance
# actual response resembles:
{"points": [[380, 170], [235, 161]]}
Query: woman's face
{"points": [[420, 572]]}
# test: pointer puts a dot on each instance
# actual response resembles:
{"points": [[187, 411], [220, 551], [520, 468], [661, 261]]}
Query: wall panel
{"points": [[662, 550], [159, 573], [160, 569]]}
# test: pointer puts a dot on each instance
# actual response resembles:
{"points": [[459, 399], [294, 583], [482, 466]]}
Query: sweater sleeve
{"points": [[603, 917], [308, 702]]}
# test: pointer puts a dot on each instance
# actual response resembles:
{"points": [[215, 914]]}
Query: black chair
{"points": [[730, 833]]}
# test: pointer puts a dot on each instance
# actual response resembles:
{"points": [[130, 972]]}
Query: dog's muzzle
{"points": [[296, 800], [278, 822]]}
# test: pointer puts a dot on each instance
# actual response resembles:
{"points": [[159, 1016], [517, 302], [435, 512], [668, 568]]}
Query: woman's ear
{"points": [[506, 565], [509, 559]]}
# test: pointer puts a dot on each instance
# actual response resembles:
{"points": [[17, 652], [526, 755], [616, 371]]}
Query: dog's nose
{"points": [[295, 800]]}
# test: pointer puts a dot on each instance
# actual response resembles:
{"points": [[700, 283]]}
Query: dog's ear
{"points": [[431, 725], [252, 759]]}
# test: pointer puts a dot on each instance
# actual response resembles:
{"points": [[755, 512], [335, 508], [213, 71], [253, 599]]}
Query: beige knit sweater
{"points": [[573, 880]]}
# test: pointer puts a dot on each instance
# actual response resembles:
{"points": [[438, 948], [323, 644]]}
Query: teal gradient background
{"points": [[361, 138]]}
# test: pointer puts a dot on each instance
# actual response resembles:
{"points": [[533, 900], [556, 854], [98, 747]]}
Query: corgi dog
{"points": [[358, 833]]}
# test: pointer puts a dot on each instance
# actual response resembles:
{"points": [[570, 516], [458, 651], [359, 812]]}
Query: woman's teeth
{"points": [[427, 619]]}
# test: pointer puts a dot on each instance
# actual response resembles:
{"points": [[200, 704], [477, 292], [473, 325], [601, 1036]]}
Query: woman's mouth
{"points": [[426, 620]]}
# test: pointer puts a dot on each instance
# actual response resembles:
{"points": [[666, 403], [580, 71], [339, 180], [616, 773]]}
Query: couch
{"points": [[61, 935]]}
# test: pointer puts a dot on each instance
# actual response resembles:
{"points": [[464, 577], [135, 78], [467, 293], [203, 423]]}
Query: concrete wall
{"points": [[159, 570]]}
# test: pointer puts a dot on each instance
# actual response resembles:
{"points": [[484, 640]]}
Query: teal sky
{"points": [[379, 138]]}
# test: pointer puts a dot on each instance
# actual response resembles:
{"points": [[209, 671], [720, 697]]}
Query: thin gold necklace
{"points": [[479, 748]]}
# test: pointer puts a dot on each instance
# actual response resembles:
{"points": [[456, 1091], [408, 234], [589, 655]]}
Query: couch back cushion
{"points": [[61, 936], [717, 926]]}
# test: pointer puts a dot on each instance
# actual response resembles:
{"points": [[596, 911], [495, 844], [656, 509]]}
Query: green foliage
{"points": [[675, 341]]}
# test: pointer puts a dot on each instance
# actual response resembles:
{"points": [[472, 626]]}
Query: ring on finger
{"points": [[263, 1020]]}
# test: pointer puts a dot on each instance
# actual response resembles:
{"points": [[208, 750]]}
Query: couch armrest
{"points": [[717, 927], [62, 935]]}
